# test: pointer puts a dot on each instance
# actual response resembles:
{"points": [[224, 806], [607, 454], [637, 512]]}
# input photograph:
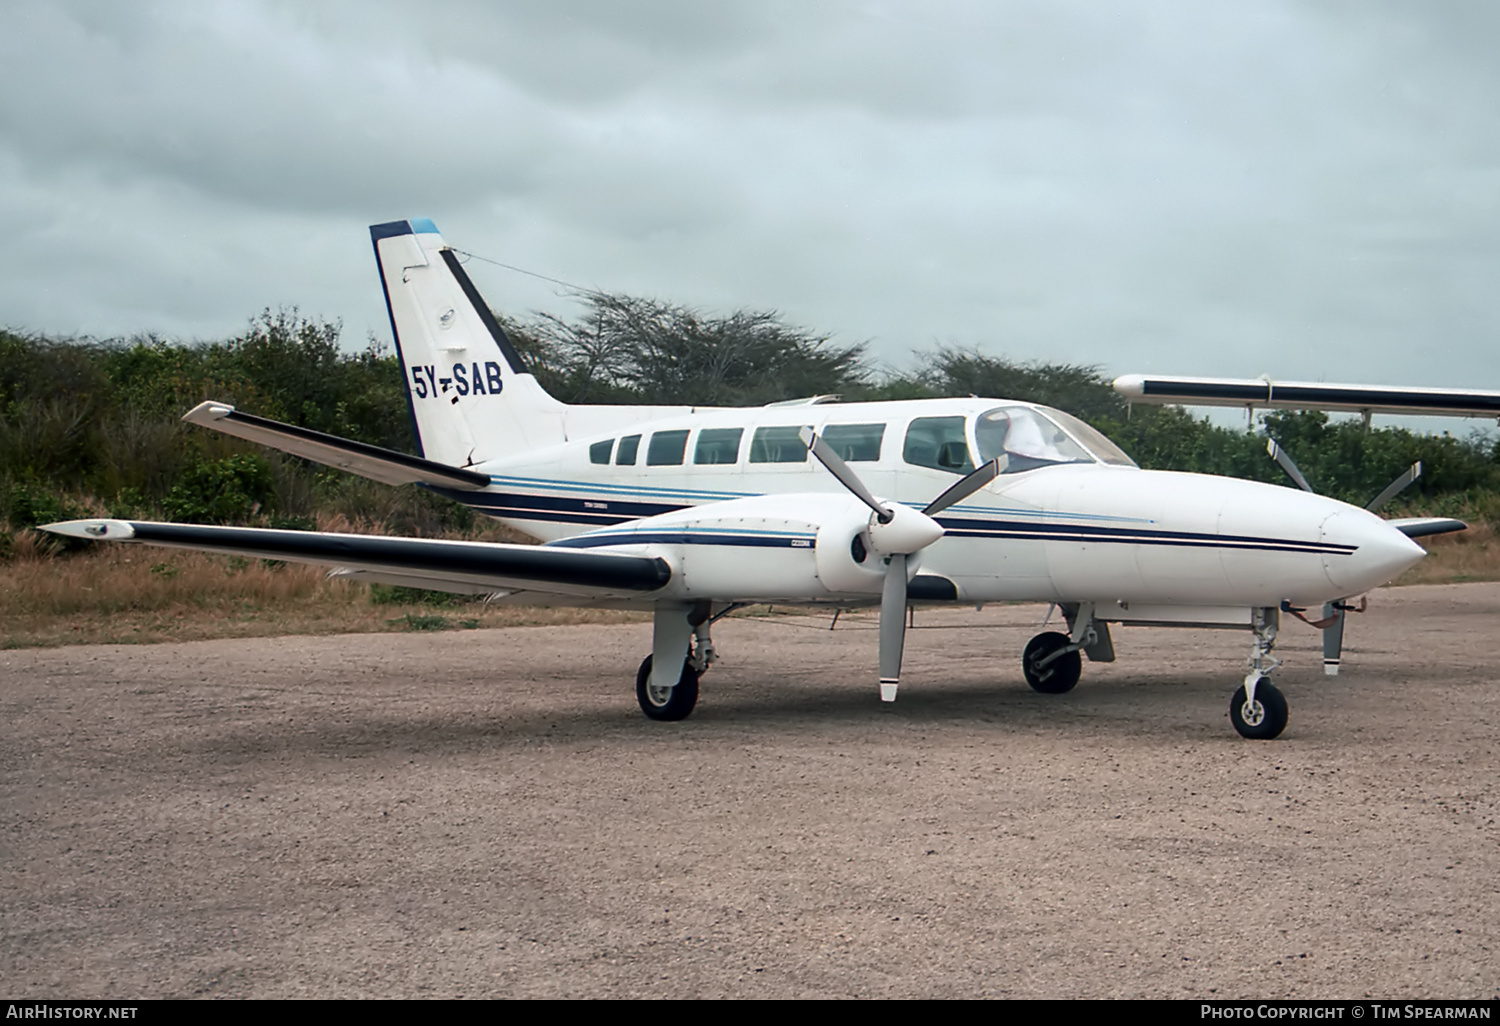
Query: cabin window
{"points": [[629, 446], [939, 443], [855, 443], [599, 451], [666, 448], [777, 445], [718, 445]]}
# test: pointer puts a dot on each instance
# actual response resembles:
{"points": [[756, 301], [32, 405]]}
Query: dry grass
{"points": [[132, 594], [115, 594], [1471, 555]]}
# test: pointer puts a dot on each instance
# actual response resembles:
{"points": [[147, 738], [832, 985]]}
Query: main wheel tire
{"points": [[1263, 720], [1058, 676], [673, 703]]}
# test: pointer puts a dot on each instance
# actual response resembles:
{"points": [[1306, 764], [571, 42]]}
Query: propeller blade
{"points": [[1396, 487], [965, 487], [1333, 638], [892, 626], [1279, 455], [839, 469]]}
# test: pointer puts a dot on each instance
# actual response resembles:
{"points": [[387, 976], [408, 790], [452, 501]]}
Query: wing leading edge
{"points": [[1426, 527], [473, 565]]}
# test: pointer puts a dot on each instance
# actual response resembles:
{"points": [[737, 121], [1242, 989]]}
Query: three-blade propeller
{"points": [[895, 533], [1335, 613]]}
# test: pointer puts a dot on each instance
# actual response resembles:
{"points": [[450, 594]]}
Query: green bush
{"points": [[28, 506], [397, 595], [31, 505], [234, 489]]}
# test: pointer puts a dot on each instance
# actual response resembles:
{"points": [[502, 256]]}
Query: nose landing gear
{"points": [[1260, 718], [1258, 710]]}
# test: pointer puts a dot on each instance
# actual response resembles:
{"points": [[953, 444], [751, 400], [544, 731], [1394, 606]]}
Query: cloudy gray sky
{"points": [[1300, 189]]}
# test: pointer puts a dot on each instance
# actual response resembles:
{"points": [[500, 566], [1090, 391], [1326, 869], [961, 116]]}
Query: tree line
{"points": [[91, 427]]}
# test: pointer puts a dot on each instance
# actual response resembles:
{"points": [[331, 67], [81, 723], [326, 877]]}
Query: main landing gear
{"points": [[672, 693], [1051, 662], [667, 703]]}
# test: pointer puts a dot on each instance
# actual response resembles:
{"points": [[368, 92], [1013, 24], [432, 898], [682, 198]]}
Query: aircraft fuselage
{"points": [[1127, 539]]}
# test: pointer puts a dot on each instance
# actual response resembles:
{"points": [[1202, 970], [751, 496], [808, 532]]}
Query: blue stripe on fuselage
{"points": [[1122, 535], [605, 511], [563, 508]]}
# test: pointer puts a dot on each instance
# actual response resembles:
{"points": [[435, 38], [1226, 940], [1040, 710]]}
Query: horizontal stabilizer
{"points": [[384, 465], [1423, 527], [489, 565]]}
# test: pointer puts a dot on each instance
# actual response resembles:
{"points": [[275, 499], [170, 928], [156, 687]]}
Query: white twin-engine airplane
{"points": [[694, 512]]}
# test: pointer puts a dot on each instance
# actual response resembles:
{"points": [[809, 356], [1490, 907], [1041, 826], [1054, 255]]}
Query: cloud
{"points": [[1154, 186]]}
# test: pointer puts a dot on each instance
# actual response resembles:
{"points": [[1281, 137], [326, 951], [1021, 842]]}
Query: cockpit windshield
{"points": [[1025, 438], [1101, 447]]}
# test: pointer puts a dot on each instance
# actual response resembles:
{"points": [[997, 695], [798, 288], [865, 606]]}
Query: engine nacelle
{"points": [[771, 548], [847, 562]]}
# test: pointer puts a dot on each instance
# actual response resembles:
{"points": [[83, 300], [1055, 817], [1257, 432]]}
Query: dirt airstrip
{"points": [[486, 813]]}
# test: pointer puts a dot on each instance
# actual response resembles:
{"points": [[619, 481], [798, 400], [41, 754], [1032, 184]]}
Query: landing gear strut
{"points": [[1258, 710], [663, 696]]}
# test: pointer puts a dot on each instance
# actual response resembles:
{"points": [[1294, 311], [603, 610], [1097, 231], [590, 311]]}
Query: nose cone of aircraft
{"points": [[1380, 551]]}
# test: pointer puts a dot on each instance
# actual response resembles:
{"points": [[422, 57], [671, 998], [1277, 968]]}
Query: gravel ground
{"points": [[486, 813]]}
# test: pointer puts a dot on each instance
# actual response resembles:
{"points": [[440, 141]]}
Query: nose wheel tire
{"points": [[1058, 676], [1262, 719], [672, 703]]}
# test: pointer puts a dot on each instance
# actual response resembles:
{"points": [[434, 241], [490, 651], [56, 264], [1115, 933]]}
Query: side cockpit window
{"points": [[939, 443]]}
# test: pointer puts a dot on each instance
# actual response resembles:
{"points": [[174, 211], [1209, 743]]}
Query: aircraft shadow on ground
{"points": [[1140, 706]]}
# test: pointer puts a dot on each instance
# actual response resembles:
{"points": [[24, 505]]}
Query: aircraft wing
{"points": [[465, 567], [1424, 527], [1307, 395], [384, 465]]}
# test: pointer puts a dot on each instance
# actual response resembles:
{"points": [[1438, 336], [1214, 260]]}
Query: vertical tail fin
{"points": [[471, 397]]}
